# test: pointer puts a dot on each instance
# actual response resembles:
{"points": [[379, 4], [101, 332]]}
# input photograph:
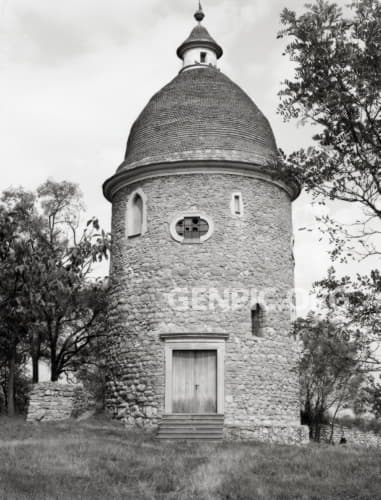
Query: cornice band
{"points": [[124, 178]]}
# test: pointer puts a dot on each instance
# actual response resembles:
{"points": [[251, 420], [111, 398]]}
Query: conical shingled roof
{"points": [[200, 115], [200, 37]]}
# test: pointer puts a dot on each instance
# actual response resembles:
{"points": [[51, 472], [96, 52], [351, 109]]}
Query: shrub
{"points": [[361, 423]]}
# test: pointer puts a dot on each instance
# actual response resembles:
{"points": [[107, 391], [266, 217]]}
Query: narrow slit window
{"points": [[236, 204], [257, 321], [203, 57]]}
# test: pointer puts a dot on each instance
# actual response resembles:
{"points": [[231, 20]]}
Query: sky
{"points": [[75, 75]]}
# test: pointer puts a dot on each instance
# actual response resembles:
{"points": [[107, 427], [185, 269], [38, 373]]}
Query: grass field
{"points": [[98, 459]]}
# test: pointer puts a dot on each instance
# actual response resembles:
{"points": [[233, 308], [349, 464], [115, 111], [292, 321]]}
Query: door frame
{"points": [[194, 342]]}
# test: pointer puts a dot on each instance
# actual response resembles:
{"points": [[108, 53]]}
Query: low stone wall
{"points": [[280, 434], [52, 401], [353, 436]]}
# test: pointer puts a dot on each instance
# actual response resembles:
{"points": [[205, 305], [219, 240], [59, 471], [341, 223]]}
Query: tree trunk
{"points": [[331, 433], [35, 353], [35, 370], [11, 382], [317, 431], [54, 370], [4, 390], [54, 358]]}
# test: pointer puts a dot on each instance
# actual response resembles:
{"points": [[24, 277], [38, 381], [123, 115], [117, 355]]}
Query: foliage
{"points": [[336, 87], [15, 242], [58, 301], [21, 389], [91, 366], [341, 346], [361, 423], [370, 399], [328, 368], [356, 306]]}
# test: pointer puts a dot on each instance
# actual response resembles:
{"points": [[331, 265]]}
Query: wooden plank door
{"points": [[183, 382], [194, 382], [206, 381]]}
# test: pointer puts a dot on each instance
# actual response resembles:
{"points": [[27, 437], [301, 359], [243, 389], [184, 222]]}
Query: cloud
{"points": [[53, 32], [77, 73]]}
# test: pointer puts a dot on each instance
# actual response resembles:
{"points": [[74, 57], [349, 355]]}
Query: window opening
{"points": [[192, 228], [237, 204], [257, 321], [136, 216]]}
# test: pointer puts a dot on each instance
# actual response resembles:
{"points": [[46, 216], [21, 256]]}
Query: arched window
{"points": [[257, 317], [136, 214]]}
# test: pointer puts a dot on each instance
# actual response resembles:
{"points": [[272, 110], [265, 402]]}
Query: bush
{"points": [[361, 423]]}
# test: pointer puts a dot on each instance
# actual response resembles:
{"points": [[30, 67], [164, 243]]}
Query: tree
{"points": [[355, 305], [372, 397], [90, 365], [60, 299], [336, 87], [21, 382], [328, 370], [19, 206], [14, 249]]}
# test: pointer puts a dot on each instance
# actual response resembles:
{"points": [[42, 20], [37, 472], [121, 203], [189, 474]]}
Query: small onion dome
{"points": [[199, 38]]}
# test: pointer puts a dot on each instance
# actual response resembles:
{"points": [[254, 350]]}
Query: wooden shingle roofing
{"points": [[201, 114]]}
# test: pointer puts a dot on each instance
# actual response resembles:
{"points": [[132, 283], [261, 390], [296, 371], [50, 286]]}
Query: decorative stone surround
{"points": [[52, 401], [194, 341], [173, 221]]}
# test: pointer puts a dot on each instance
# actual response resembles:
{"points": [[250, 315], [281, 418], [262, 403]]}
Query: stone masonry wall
{"points": [[52, 401], [251, 252], [353, 436], [280, 434]]}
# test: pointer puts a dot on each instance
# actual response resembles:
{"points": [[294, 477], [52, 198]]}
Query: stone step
{"points": [[179, 432], [193, 422], [195, 419], [205, 427], [187, 416], [184, 435], [188, 437], [191, 427]]}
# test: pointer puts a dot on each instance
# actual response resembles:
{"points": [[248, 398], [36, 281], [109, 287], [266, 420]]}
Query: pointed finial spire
{"points": [[199, 16]]}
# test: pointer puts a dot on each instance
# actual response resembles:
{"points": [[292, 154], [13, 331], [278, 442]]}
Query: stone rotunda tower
{"points": [[202, 264]]}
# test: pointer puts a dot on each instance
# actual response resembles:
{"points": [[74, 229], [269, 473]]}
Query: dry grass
{"points": [[101, 460]]}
